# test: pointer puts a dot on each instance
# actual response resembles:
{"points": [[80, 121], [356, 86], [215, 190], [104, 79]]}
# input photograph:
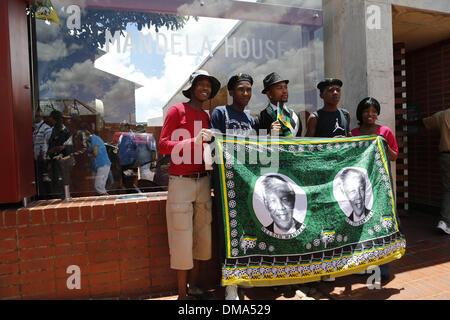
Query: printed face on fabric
{"points": [[279, 199], [280, 206], [353, 191]]}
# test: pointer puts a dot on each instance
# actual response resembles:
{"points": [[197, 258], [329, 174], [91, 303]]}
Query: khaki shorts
{"points": [[188, 212]]}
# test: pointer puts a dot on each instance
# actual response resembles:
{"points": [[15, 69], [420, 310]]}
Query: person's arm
{"points": [[392, 144], [263, 123], [257, 125], [94, 155], [392, 154], [218, 121], [68, 143], [52, 149], [47, 135], [300, 125], [348, 124], [94, 152], [311, 125], [275, 128], [171, 123]]}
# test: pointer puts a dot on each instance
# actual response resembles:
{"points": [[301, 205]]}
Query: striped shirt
{"points": [[41, 136]]}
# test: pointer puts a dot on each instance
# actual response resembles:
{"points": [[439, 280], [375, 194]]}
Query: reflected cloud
{"points": [[295, 52], [55, 50], [86, 83], [262, 11], [154, 78], [175, 67]]}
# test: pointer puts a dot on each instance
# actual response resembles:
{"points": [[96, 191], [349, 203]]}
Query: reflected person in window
{"points": [[41, 137], [100, 163], [60, 152]]}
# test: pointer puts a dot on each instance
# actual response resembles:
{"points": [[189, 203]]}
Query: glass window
{"points": [[111, 72]]}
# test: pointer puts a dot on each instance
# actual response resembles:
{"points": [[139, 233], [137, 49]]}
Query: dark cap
{"points": [[234, 80], [272, 79], [215, 84], [140, 128], [329, 82]]}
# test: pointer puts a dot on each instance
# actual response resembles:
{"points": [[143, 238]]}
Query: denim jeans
{"points": [[385, 269]]}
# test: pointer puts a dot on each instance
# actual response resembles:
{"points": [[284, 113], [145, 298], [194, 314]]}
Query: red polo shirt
{"points": [[181, 126]]}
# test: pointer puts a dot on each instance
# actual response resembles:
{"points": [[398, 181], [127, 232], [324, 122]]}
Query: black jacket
{"points": [[263, 121]]}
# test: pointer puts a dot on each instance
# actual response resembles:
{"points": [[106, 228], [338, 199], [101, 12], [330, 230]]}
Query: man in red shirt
{"points": [[188, 208]]}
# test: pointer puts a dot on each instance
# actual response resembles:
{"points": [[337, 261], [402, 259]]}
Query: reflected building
{"points": [[256, 48], [67, 70]]}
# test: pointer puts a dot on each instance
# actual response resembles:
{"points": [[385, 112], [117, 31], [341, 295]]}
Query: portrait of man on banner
{"points": [[280, 206], [352, 190]]}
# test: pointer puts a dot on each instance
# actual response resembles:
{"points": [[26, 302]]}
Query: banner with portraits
{"points": [[298, 209]]}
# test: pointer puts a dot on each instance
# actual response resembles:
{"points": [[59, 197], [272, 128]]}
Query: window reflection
{"points": [[114, 77]]}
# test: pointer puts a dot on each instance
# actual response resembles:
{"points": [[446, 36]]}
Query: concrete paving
{"points": [[423, 273]]}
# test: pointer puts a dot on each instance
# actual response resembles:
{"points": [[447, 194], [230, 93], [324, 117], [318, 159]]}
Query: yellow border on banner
{"points": [[317, 277], [225, 200], [383, 157], [289, 140]]}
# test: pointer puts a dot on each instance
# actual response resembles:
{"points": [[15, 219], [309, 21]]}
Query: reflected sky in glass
{"points": [[151, 68]]}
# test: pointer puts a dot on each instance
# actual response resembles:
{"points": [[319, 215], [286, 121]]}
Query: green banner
{"points": [[297, 209]]}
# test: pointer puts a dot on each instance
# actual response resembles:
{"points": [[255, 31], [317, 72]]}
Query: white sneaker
{"points": [[443, 226], [231, 292]]}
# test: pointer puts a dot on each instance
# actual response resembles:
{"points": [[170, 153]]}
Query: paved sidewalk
{"points": [[422, 274]]}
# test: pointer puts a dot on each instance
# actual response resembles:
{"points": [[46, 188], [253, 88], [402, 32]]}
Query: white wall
{"points": [[362, 58]]}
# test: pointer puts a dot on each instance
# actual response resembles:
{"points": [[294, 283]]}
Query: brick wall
{"points": [[120, 246], [428, 85]]}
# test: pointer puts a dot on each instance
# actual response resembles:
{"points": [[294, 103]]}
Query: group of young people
{"points": [[188, 209]]}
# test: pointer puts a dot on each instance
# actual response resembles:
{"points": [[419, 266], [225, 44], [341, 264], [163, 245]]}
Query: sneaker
{"points": [[128, 173], [443, 226], [198, 293], [194, 291], [231, 292], [328, 279]]}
